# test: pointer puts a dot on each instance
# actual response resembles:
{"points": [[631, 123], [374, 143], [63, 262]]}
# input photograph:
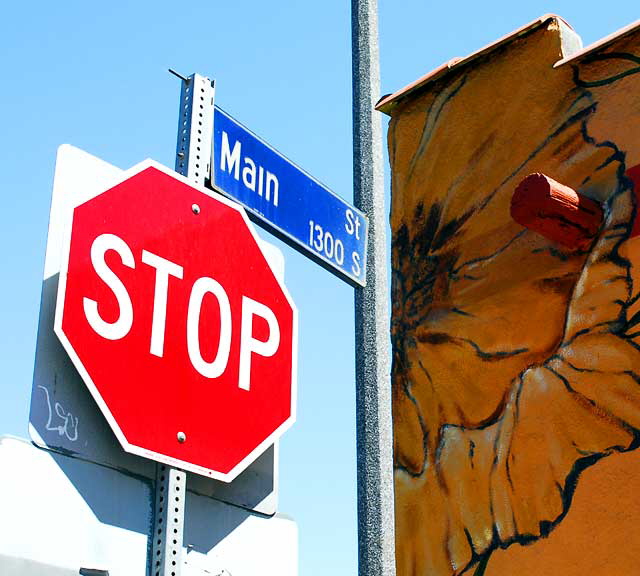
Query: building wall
{"points": [[516, 359]]}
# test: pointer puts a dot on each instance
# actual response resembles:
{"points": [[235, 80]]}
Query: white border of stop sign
{"points": [[164, 269]]}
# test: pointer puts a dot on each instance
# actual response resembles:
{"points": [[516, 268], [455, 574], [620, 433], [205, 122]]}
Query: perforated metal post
{"points": [[195, 128], [171, 485], [193, 158], [376, 539]]}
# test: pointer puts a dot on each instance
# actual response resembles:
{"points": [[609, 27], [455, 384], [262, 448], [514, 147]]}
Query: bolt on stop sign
{"points": [[178, 325]]}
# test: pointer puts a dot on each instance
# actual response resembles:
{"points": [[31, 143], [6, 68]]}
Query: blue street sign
{"points": [[287, 201]]}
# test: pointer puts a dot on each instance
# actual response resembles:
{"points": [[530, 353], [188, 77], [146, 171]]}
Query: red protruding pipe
{"points": [[556, 211]]}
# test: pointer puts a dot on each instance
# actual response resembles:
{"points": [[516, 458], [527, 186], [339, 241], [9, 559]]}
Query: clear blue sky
{"points": [[94, 74]]}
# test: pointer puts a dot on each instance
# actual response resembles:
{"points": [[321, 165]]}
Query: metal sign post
{"points": [[376, 539], [192, 160], [168, 521]]}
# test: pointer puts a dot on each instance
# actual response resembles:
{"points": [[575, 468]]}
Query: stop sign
{"points": [[176, 322]]}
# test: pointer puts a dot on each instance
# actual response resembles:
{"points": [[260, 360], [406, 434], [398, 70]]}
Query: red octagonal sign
{"points": [[178, 325]]}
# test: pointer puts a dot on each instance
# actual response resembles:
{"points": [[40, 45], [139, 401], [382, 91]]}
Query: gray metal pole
{"points": [[376, 541]]}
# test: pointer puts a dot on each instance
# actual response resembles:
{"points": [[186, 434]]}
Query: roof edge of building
{"points": [[389, 102]]}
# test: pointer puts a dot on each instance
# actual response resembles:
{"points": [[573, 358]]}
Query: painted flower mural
{"points": [[516, 360]]}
